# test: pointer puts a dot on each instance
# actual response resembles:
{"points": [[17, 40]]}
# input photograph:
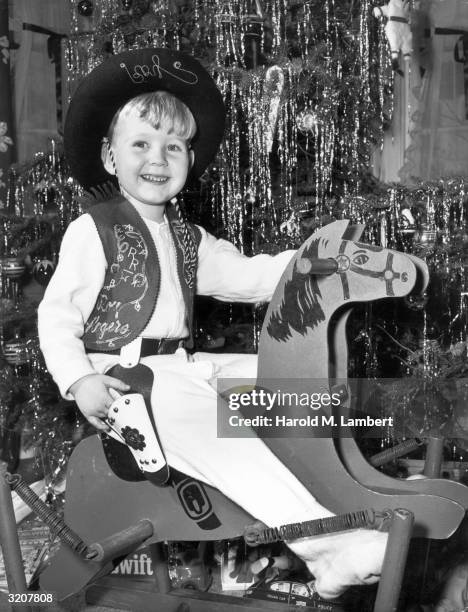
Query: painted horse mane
{"points": [[300, 308]]}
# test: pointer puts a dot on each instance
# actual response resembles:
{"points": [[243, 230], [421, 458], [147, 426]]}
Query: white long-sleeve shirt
{"points": [[223, 272]]}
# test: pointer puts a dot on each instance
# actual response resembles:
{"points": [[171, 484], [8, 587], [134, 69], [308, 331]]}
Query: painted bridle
{"points": [[388, 274]]}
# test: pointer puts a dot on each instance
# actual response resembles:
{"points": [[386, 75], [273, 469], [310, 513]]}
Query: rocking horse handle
{"points": [[121, 542], [318, 267]]}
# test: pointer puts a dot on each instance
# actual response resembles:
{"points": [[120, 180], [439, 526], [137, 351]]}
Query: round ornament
{"points": [[16, 351], [12, 267], [406, 222], [308, 122], [85, 8], [416, 302], [426, 237], [42, 271]]}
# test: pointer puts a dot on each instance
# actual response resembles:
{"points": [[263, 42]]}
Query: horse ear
{"points": [[333, 230], [354, 232]]}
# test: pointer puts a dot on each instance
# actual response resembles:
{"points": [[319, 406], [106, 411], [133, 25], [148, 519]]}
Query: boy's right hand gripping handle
{"points": [[317, 267]]}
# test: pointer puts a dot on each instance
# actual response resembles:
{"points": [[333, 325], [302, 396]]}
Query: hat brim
{"points": [[125, 76]]}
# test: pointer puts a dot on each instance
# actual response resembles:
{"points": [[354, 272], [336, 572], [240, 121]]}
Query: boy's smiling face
{"points": [[151, 164]]}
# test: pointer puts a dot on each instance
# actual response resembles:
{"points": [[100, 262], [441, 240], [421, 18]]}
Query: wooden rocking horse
{"points": [[296, 346]]}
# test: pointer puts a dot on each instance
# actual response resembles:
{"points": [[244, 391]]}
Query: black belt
{"points": [[151, 346]]}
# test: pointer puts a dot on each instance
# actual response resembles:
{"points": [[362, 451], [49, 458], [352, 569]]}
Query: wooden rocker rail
{"points": [[126, 541]]}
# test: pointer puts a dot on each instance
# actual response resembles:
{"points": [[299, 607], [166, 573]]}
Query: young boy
{"points": [[122, 297]]}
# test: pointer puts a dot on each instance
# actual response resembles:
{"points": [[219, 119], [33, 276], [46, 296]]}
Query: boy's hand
{"points": [[94, 394]]}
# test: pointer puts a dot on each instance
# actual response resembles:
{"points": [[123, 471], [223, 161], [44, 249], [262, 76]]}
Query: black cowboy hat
{"points": [[122, 77]]}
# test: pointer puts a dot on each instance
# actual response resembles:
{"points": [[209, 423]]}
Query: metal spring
{"points": [[396, 451], [53, 520], [341, 522]]}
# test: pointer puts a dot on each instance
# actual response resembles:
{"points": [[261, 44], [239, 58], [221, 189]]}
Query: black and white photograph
{"points": [[233, 305]]}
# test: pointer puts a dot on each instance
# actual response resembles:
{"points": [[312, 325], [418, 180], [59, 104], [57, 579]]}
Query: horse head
{"points": [[357, 272]]}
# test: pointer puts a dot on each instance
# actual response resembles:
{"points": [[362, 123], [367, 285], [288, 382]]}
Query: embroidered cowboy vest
{"points": [[128, 297]]}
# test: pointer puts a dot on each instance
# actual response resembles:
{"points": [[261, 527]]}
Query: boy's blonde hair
{"points": [[159, 109]]}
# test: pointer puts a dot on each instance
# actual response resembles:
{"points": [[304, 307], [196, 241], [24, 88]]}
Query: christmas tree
{"points": [[308, 90]]}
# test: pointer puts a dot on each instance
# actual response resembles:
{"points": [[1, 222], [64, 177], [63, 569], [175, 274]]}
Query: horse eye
{"points": [[361, 259]]}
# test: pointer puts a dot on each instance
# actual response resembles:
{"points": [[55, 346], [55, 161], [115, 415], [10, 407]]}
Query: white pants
{"points": [[185, 407], [184, 403]]}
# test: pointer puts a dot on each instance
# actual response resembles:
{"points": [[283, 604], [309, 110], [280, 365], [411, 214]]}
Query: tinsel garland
{"points": [[308, 93], [439, 235], [40, 187], [424, 339], [31, 406], [41, 203], [333, 58]]}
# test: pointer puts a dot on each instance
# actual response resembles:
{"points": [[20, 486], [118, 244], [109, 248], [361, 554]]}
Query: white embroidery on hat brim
{"points": [[142, 72]]}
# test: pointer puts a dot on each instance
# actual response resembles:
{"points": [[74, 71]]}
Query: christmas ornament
{"points": [[307, 122], [126, 4], [291, 225], [425, 237], [12, 267], [416, 302], [16, 351], [406, 222], [42, 271], [85, 8]]}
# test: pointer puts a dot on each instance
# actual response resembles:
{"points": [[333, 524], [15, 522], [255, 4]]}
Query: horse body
{"points": [[346, 445], [291, 348]]}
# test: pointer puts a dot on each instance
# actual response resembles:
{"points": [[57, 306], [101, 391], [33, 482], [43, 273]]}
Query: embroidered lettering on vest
{"points": [[110, 319], [101, 328]]}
